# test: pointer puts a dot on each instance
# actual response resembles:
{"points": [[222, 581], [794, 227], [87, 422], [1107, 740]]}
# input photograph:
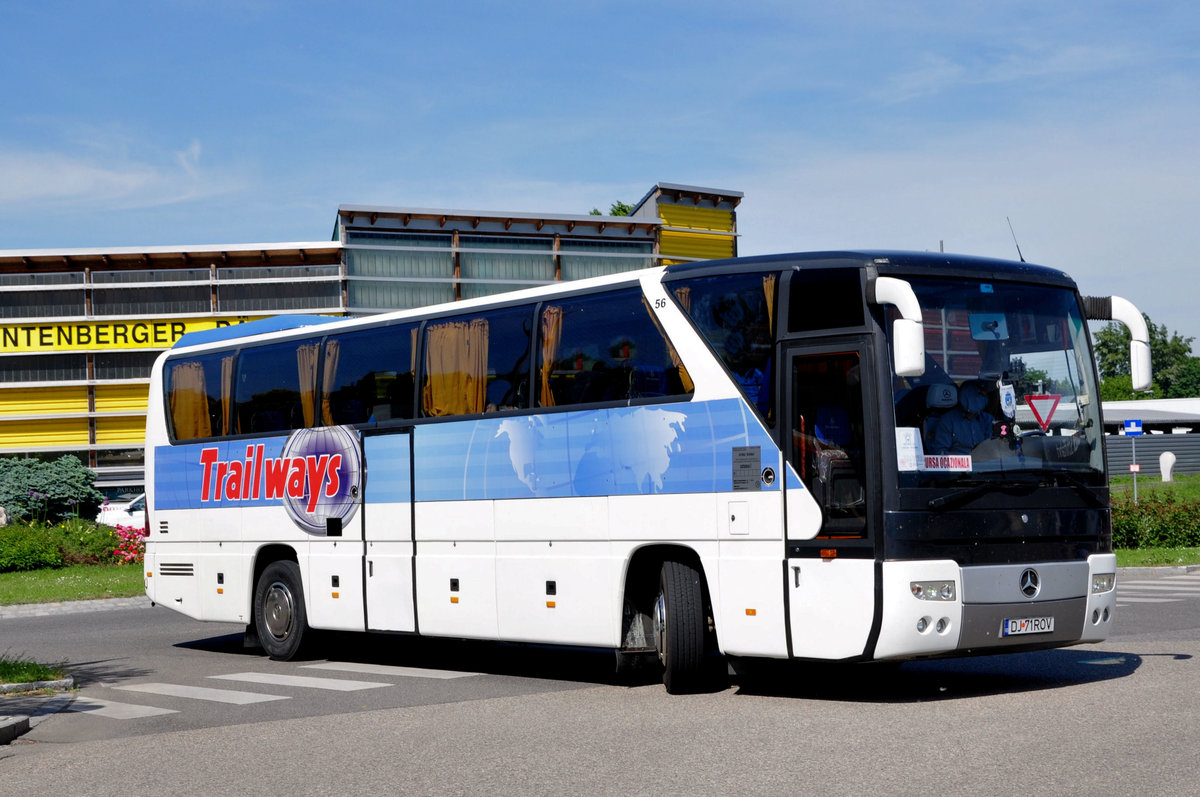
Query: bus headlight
{"points": [[1103, 582], [933, 590]]}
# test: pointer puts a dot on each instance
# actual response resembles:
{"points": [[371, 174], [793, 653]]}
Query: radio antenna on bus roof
{"points": [[1014, 236]]}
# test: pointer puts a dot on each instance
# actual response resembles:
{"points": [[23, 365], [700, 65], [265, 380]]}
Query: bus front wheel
{"points": [[679, 627], [279, 612]]}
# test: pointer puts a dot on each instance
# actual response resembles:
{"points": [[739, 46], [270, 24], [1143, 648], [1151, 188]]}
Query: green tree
{"points": [[1175, 371], [49, 491], [615, 209], [1120, 388]]}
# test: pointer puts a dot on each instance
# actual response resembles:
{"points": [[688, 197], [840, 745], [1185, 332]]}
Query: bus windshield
{"points": [[1008, 391]]}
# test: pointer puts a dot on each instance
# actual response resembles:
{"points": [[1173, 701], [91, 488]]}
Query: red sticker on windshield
{"points": [[1043, 408]]}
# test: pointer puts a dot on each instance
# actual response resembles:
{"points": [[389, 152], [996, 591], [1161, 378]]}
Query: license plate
{"points": [[1027, 625]]}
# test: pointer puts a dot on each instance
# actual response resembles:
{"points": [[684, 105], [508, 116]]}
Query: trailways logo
{"points": [[317, 476]]}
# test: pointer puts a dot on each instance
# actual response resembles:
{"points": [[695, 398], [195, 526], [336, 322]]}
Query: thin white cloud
{"points": [[57, 179], [932, 74]]}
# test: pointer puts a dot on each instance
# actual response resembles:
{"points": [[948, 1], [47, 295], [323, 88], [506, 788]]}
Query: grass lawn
{"points": [[1157, 557], [1185, 487], [73, 583], [20, 670]]}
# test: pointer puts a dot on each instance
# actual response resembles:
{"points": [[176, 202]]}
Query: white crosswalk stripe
{"points": [[303, 681], [1169, 589], [113, 710], [231, 696], [387, 669]]}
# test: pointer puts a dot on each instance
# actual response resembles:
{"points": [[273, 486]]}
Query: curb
{"points": [[12, 727], [1169, 570], [73, 607], [33, 686], [16, 725]]}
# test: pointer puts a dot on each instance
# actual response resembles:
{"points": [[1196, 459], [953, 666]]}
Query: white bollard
{"points": [[1166, 464]]}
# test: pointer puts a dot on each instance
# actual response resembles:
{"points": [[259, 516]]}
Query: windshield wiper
{"points": [[1041, 478], [962, 496], [1059, 477]]}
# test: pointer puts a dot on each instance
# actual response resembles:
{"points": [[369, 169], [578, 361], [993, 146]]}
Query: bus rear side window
{"points": [[477, 363], [198, 395], [606, 347], [276, 387], [368, 375]]}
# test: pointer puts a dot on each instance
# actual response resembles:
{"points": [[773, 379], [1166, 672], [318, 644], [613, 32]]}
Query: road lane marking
{"points": [[1121, 600], [303, 681], [231, 696], [385, 669], [114, 710]]}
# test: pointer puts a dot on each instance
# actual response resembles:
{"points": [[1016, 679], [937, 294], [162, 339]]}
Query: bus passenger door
{"points": [[387, 532], [830, 557]]}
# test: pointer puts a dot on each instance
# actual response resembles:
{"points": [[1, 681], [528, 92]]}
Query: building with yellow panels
{"points": [[80, 328]]}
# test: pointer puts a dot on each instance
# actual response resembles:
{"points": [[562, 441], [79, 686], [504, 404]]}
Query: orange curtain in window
{"points": [[189, 401], [551, 336], [456, 367], [769, 293], [684, 296], [227, 395], [306, 365], [328, 375]]}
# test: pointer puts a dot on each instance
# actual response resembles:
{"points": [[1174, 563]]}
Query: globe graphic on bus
{"points": [[325, 446]]}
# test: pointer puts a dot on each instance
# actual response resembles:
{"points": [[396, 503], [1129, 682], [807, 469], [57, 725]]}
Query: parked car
{"points": [[124, 513]]}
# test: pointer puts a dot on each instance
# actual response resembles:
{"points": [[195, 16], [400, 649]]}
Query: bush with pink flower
{"points": [[131, 545]]}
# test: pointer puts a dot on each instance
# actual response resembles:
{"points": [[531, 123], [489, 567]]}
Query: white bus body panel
{"points": [[554, 571], [1102, 606], [898, 634], [751, 619], [334, 584], [456, 588], [832, 606], [390, 586], [456, 568]]}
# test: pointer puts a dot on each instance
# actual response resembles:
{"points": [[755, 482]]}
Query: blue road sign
{"points": [[1133, 428]]}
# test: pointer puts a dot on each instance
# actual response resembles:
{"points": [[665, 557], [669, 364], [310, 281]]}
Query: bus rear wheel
{"points": [[279, 612], [679, 627]]}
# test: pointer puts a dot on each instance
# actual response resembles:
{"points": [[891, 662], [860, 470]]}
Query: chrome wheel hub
{"points": [[278, 611]]}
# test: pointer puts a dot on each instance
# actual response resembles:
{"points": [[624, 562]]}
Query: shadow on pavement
{"points": [[87, 673], [937, 679], [934, 679]]}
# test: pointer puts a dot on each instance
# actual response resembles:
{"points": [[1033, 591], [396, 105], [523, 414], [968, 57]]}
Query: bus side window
{"points": [[198, 391], [477, 364], [605, 347], [368, 375], [276, 387], [828, 438], [736, 315]]}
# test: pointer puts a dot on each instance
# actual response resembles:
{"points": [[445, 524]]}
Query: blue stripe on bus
{"points": [[665, 448]]}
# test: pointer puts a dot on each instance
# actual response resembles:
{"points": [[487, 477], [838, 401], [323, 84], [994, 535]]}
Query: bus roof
{"points": [[884, 261], [273, 324]]}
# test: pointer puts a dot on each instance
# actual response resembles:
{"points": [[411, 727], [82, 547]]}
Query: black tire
{"points": [[679, 627], [279, 614]]}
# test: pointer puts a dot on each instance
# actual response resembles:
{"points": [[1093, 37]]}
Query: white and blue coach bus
{"points": [[829, 456]]}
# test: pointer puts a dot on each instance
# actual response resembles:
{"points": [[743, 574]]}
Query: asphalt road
{"points": [[420, 717]]}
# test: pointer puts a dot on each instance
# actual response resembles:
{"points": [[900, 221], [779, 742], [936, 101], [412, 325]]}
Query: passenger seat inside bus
{"points": [[939, 399]]}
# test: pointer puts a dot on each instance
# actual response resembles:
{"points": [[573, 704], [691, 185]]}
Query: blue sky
{"points": [[856, 124]]}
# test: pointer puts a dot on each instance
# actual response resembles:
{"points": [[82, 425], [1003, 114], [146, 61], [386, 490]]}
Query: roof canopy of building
{"points": [[122, 258], [1153, 412]]}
